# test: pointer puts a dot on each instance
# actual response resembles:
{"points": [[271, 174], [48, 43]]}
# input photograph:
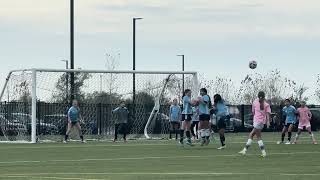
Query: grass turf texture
{"points": [[137, 160]]}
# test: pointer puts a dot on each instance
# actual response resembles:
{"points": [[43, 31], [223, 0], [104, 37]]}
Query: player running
{"points": [[204, 116], [289, 114], [304, 115], [186, 117], [74, 117], [223, 116], [261, 115], [175, 116]]}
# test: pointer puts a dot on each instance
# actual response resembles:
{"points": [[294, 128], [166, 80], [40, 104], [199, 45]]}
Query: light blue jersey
{"points": [[204, 105], [74, 114], [175, 112], [187, 109], [221, 109], [290, 113]]}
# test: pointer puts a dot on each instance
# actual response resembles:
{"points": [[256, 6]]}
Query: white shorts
{"points": [[258, 125], [301, 126]]}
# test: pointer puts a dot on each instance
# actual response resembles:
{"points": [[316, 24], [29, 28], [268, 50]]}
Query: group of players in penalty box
{"points": [[197, 113]]}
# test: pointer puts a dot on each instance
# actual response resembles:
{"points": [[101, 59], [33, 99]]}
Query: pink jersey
{"points": [[304, 116], [260, 116]]}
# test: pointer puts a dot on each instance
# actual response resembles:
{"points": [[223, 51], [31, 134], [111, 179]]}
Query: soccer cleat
{"points": [[294, 142], [222, 147], [288, 142], [83, 141], [189, 143], [280, 142], [314, 142], [243, 152], [64, 141]]}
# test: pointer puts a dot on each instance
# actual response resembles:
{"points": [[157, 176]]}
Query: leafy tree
{"points": [[79, 80]]}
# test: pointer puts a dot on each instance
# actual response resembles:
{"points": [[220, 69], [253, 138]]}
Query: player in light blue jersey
{"points": [[223, 116], [175, 116], [74, 117], [186, 117], [290, 115], [204, 116]]}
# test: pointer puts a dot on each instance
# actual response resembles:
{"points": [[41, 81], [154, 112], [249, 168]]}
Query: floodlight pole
{"points": [[182, 55], [72, 89], [67, 79], [134, 64]]}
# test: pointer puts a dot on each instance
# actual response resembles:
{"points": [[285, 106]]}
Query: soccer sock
{"points": [[312, 136], [181, 135], [207, 132], [289, 136], [282, 136], [202, 133], [188, 134], [177, 132], [261, 145], [222, 140], [170, 135], [249, 142], [66, 137], [297, 137], [81, 137], [125, 136]]}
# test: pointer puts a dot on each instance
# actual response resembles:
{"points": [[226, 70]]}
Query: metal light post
{"points": [[72, 90], [67, 79], [134, 65], [182, 55]]}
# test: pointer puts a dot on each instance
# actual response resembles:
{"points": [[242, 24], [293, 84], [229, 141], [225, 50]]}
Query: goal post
{"points": [[34, 102]]}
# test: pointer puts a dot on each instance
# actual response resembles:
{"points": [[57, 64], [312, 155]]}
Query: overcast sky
{"points": [[217, 37]]}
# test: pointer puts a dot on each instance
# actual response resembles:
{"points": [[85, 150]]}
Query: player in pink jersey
{"points": [[261, 115], [304, 115]]}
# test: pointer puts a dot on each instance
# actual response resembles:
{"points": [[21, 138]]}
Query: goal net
{"points": [[34, 102]]}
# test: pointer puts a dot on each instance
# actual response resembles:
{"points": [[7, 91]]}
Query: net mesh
{"points": [[98, 94]]}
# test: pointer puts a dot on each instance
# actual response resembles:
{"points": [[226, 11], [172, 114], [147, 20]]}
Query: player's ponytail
{"points": [[261, 96]]}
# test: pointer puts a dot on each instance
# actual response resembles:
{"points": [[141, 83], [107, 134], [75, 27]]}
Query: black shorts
{"points": [[194, 123], [287, 125], [222, 122], [186, 117], [204, 117]]}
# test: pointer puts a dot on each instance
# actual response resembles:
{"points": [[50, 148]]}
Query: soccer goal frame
{"points": [[34, 72]]}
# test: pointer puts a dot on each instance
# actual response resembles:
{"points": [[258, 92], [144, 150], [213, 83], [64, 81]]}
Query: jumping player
{"points": [[222, 115], [204, 116], [195, 122], [304, 115], [261, 115], [74, 117], [186, 117], [289, 113], [121, 123], [175, 115]]}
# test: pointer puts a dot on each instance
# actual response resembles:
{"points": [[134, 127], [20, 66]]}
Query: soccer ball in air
{"points": [[253, 64]]}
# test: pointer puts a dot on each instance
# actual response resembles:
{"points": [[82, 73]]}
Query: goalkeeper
{"points": [[121, 123]]}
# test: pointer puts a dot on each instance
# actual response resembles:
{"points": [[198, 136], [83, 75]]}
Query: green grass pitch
{"points": [[155, 160]]}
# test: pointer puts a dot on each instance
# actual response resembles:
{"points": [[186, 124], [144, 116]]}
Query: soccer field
{"points": [[152, 159]]}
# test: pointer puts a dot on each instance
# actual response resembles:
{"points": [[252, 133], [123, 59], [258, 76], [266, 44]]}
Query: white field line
{"points": [[41, 177], [144, 173], [89, 145], [151, 157]]}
